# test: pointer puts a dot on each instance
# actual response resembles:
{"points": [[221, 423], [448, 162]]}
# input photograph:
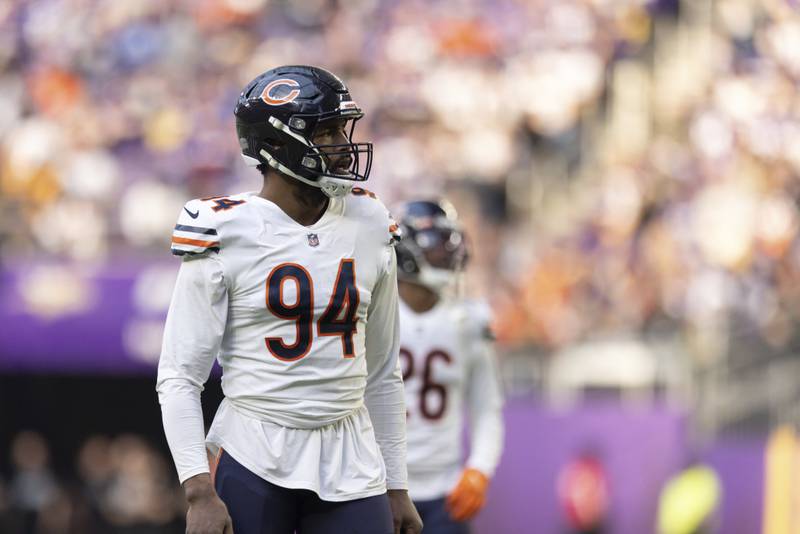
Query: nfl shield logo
{"points": [[313, 240]]}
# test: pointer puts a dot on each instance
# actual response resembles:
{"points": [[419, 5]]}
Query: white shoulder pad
{"points": [[479, 317], [371, 207]]}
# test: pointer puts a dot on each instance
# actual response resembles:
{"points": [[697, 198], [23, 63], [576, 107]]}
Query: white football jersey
{"points": [[303, 321], [449, 368]]}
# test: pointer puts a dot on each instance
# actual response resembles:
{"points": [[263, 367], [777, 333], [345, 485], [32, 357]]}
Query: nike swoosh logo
{"points": [[192, 215]]}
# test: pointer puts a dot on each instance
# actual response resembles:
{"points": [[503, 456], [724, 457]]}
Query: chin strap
{"points": [[332, 187]]}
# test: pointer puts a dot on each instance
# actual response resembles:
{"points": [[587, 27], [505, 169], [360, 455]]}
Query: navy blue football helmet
{"points": [[277, 116], [433, 249]]}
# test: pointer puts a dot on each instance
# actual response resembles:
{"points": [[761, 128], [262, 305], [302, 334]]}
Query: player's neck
{"points": [[303, 203], [417, 297]]}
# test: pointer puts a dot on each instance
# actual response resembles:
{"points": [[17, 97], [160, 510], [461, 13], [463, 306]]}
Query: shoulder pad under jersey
{"points": [[479, 317], [197, 229], [379, 214]]}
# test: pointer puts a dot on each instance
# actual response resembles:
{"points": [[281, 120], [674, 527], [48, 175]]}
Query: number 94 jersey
{"points": [[292, 330], [448, 368]]}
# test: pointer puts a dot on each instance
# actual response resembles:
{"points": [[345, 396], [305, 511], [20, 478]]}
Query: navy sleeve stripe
{"points": [[179, 252], [195, 229]]}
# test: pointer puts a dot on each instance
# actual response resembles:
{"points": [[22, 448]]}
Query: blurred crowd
{"points": [[114, 113], [123, 486], [685, 212], [619, 163]]}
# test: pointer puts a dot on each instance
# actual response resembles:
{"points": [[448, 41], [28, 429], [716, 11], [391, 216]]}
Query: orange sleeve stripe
{"points": [[195, 242], [393, 228]]}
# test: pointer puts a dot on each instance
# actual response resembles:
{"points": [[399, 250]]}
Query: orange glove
{"points": [[468, 496]]}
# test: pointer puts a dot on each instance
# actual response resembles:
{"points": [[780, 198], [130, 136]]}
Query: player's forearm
{"points": [[486, 412], [487, 442], [384, 396], [386, 405], [182, 416]]}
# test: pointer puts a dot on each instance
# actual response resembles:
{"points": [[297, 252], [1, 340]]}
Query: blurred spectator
{"points": [[95, 473], [690, 502], [123, 487], [5, 512], [584, 494], [139, 497], [34, 492]]}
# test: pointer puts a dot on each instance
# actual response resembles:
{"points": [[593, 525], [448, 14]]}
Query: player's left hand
{"points": [[468, 496], [404, 513]]}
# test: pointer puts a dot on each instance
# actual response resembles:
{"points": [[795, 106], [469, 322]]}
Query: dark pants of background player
{"points": [[258, 507], [436, 519]]}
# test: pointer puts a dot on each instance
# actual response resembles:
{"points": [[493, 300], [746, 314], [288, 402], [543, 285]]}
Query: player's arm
{"points": [[384, 395], [485, 410], [486, 423], [192, 336]]}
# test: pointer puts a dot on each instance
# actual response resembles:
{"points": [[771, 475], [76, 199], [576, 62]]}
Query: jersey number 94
{"points": [[338, 319]]}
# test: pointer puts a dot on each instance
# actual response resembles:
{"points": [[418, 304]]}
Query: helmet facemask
{"points": [[433, 257], [358, 156]]}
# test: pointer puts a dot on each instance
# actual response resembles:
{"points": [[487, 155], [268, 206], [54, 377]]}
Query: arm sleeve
{"points": [[192, 336], [384, 394], [485, 409]]}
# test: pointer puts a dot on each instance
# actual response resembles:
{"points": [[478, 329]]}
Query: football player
{"points": [[448, 366], [293, 290]]}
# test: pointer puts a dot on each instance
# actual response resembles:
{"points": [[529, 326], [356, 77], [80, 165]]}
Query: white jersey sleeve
{"points": [[485, 398], [200, 297], [384, 392]]}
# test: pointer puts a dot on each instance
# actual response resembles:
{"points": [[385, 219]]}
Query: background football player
{"points": [[293, 289], [448, 366]]}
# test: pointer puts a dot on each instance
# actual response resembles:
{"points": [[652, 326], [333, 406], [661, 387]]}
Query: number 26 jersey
{"points": [[448, 369]]}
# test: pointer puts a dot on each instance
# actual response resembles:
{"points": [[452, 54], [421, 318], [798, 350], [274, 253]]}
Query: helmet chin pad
{"points": [[332, 187], [435, 279]]}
